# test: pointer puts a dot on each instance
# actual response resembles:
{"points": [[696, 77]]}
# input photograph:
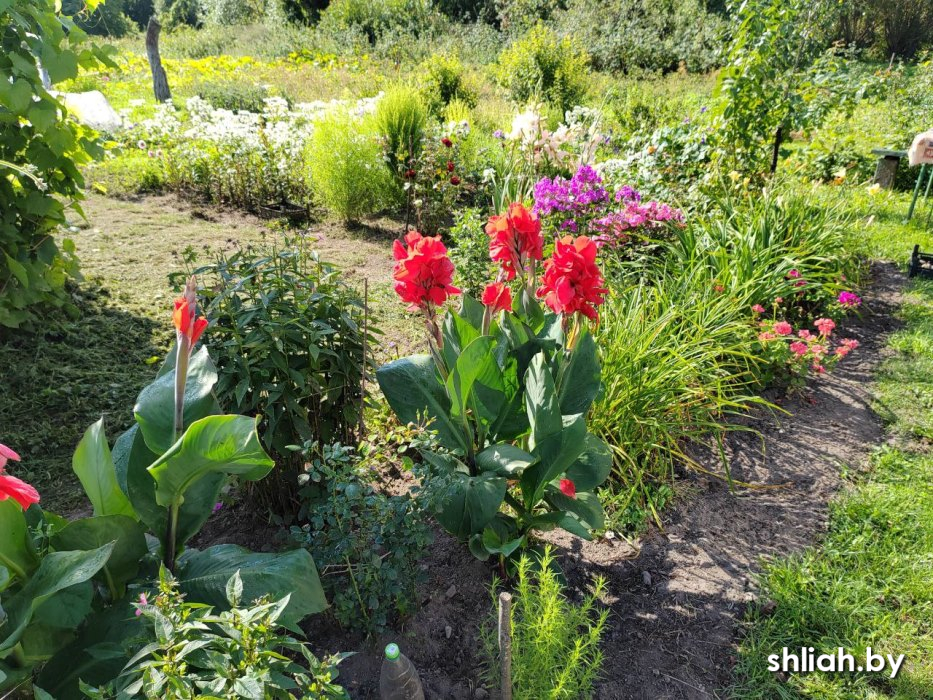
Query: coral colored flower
{"points": [[10, 486], [498, 297], [824, 326], [850, 300], [568, 488], [765, 336], [758, 309], [818, 368], [798, 348], [783, 328], [794, 274], [187, 324], [514, 238], [423, 273], [718, 288], [572, 281], [778, 300], [818, 350], [850, 343]]}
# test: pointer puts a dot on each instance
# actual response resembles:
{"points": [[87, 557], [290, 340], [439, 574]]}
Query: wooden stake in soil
{"points": [[159, 79], [505, 644]]}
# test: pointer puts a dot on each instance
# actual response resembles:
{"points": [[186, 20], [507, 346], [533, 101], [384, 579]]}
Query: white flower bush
{"points": [[252, 159]]}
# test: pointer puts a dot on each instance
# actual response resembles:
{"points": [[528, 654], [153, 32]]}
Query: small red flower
{"points": [[447, 142], [572, 281], [450, 166], [454, 180], [423, 273], [185, 317], [568, 488], [498, 297], [514, 238], [410, 174], [10, 486]]}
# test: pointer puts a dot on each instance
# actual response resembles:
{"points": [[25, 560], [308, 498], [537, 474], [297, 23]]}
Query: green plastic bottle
{"points": [[399, 679]]}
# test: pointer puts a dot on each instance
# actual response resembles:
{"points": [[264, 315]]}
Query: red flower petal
{"points": [[18, 490], [568, 488]]}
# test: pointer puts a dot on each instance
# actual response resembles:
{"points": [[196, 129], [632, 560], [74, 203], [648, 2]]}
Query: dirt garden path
{"points": [[677, 601]]}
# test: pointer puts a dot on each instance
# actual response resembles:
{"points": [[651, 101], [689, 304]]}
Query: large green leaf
{"points": [[414, 392], [96, 656], [585, 512], [555, 454], [56, 572], [593, 466], [470, 503], [458, 332], [55, 621], [91, 533], [132, 459], [580, 381], [214, 445], [541, 401], [203, 577], [16, 554], [93, 465], [504, 460], [155, 406], [476, 384]]}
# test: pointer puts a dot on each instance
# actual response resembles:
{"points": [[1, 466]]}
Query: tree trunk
{"points": [[159, 79], [778, 137]]}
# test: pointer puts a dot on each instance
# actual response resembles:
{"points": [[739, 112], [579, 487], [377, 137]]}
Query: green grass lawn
{"points": [[870, 581]]}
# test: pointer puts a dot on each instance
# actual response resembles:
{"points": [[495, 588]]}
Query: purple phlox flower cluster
{"points": [[628, 194], [580, 195]]}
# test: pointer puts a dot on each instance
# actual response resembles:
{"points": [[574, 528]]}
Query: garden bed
{"points": [[677, 595]]}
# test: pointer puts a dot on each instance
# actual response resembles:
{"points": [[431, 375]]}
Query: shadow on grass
{"points": [[63, 376]]}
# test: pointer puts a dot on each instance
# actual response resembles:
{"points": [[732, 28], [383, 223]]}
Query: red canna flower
{"points": [[10, 486], [498, 297], [568, 488], [515, 238], [187, 324], [423, 273], [572, 281]]}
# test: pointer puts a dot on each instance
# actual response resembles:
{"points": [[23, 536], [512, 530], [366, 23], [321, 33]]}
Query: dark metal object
{"points": [[921, 264]]}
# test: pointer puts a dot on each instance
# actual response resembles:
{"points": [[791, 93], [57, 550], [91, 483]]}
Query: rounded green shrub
{"points": [[346, 166], [444, 80], [542, 65], [233, 95], [400, 121]]}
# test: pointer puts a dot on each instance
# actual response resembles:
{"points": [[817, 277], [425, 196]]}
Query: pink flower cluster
{"points": [[807, 349], [849, 300], [613, 228]]}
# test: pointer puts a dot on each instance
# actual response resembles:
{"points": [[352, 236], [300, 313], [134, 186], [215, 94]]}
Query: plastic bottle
{"points": [[399, 678]]}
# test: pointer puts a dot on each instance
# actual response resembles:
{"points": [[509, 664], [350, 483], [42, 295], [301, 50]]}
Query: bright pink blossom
{"points": [[498, 297], [758, 309], [824, 326], [798, 348], [572, 281], [568, 488], [783, 328], [794, 274], [850, 300], [423, 273]]}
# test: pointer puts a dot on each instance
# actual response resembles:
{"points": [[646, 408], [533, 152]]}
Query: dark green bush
{"points": [[469, 10], [288, 340], [108, 19], [367, 543], [377, 18], [443, 80], [177, 13], [626, 35], [542, 65], [230, 94], [230, 12]]}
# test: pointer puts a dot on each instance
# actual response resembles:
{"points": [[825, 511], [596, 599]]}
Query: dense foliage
{"points": [[41, 152]]}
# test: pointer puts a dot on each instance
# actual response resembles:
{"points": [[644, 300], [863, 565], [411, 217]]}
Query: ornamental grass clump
{"points": [[506, 385]]}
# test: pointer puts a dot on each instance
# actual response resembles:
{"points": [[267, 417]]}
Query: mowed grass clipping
{"points": [[870, 583]]}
